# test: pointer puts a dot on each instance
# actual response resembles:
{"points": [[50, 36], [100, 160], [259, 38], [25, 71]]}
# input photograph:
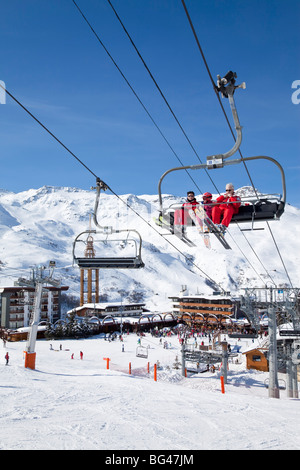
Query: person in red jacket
{"points": [[208, 204], [227, 205], [181, 215]]}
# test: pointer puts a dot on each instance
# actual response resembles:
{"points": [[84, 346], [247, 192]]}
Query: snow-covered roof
{"points": [[105, 305], [26, 329], [202, 296]]}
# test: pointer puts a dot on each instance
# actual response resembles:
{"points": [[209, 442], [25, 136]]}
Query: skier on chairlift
{"points": [[208, 204], [227, 205], [181, 215]]}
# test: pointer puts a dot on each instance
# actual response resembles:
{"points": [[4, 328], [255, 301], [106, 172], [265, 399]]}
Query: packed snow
{"points": [[73, 404]]}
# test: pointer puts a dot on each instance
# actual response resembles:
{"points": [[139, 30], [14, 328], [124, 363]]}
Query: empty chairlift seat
{"points": [[113, 263], [115, 254]]}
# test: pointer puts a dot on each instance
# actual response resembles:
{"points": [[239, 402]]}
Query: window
{"points": [[256, 358]]}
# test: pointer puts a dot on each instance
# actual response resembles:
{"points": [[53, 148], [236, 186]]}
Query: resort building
{"points": [[16, 305]]}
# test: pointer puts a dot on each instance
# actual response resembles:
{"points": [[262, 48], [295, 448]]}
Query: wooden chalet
{"points": [[257, 359]]}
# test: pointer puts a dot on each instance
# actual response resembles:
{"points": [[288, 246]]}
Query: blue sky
{"points": [[53, 64]]}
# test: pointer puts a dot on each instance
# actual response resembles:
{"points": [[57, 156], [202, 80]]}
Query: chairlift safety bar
{"points": [[227, 87], [231, 162], [108, 230], [138, 246]]}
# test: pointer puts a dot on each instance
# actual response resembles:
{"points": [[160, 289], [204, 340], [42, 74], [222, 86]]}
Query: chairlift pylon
{"points": [[258, 208], [102, 236]]}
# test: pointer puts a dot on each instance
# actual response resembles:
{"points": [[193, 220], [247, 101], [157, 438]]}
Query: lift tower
{"points": [[283, 307], [38, 280], [89, 277]]}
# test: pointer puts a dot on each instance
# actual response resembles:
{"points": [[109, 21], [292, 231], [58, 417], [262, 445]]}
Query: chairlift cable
{"points": [[215, 89], [110, 189], [133, 91], [47, 130], [88, 169], [168, 241], [176, 119], [122, 74], [160, 90], [286, 272], [226, 117], [256, 255]]}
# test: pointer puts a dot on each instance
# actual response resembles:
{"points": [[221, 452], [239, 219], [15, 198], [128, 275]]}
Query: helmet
{"points": [[207, 195]]}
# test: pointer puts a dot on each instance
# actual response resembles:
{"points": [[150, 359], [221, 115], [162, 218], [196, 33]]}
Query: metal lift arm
{"points": [[227, 87]]}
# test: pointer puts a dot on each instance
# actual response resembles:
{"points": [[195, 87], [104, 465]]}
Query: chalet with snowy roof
{"points": [[257, 358], [117, 315], [101, 310]]}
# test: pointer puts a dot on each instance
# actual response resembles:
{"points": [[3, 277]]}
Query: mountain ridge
{"points": [[41, 224]]}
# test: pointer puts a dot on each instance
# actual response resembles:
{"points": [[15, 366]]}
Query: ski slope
{"points": [[74, 404]]}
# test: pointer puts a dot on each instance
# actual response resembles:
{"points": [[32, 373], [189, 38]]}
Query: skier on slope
{"points": [[227, 205], [6, 358]]}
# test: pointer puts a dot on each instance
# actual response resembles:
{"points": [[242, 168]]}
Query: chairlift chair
{"points": [[108, 262], [262, 207], [114, 262], [141, 351], [242, 335]]}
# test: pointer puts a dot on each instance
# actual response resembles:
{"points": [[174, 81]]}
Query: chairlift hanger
{"points": [[132, 262], [263, 207], [242, 335]]}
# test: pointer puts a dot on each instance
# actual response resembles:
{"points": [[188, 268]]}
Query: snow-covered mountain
{"points": [[39, 225]]}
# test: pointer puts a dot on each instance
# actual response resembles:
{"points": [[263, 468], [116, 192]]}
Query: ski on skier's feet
{"points": [[219, 233], [174, 230], [198, 216]]}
